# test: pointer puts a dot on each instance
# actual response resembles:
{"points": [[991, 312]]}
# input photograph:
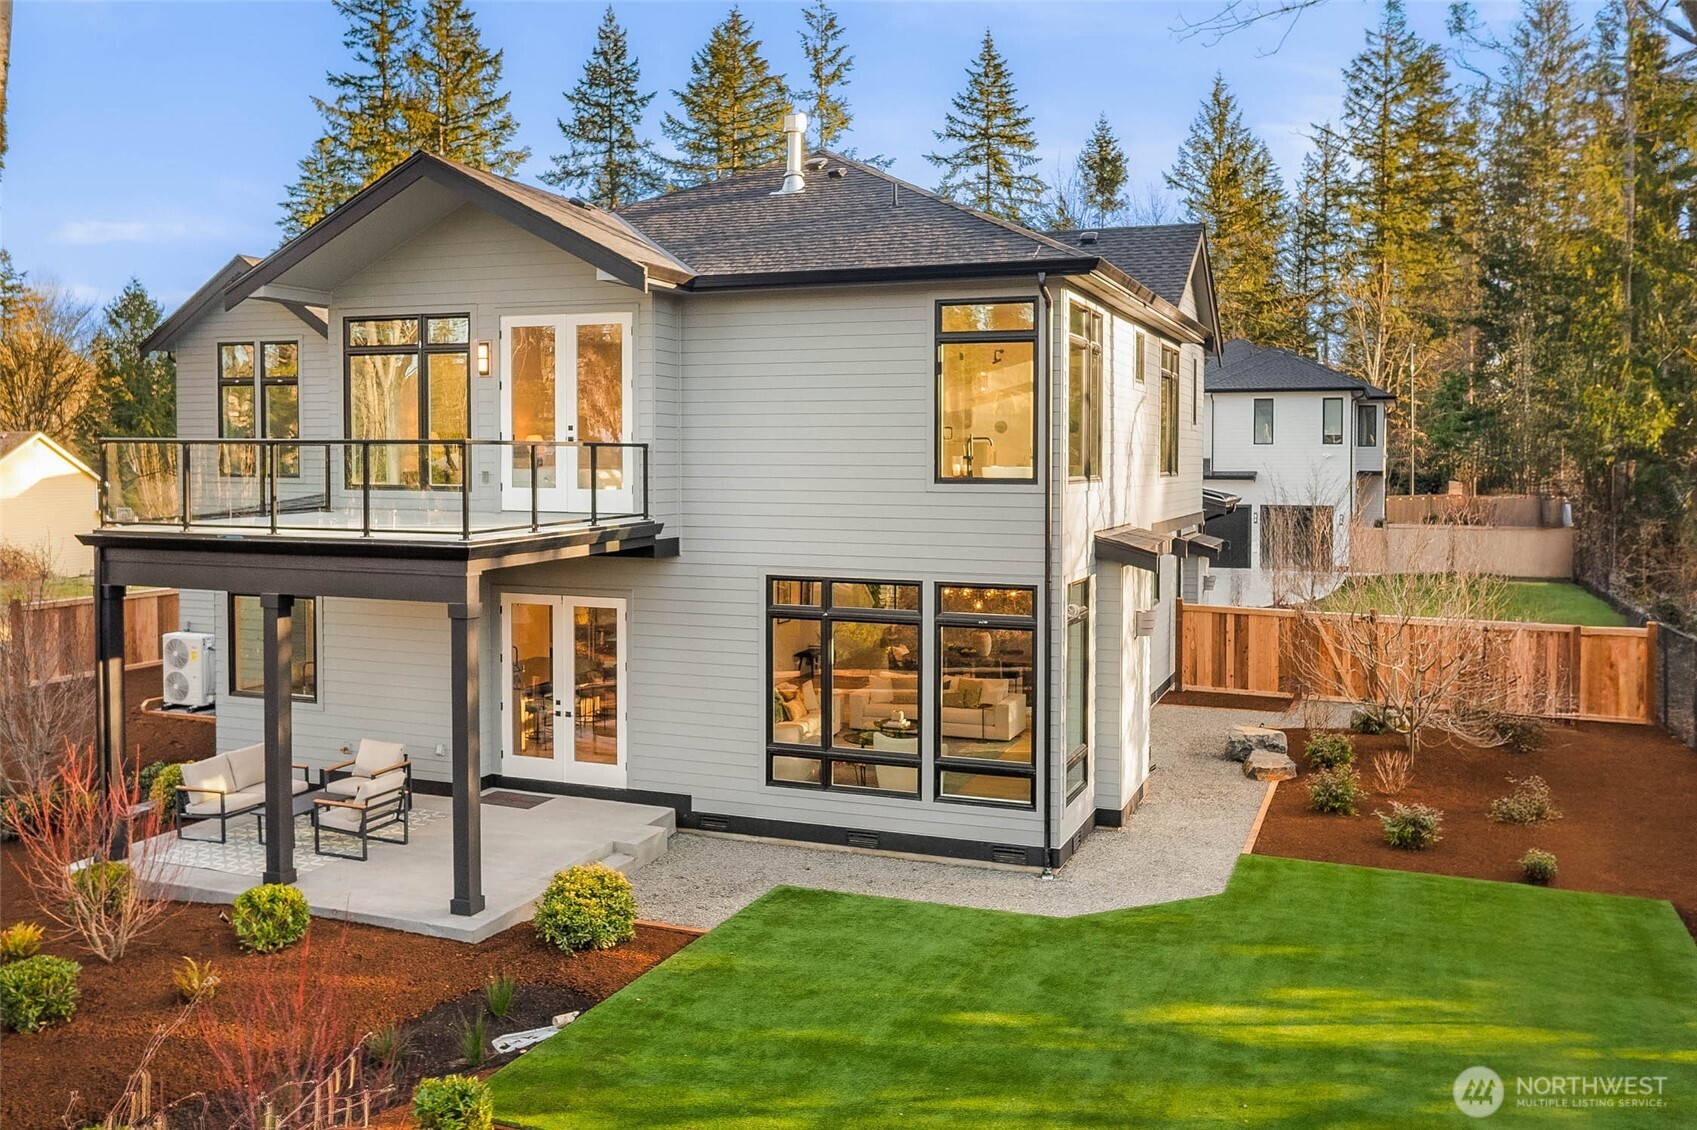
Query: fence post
{"points": [[1178, 644], [1652, 637], [1577, 664]]}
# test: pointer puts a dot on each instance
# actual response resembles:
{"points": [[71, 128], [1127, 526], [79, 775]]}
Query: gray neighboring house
{"points": [[804, 502], [1302, 445]]}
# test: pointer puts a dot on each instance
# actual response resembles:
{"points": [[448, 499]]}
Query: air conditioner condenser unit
{"points": [[190, 675]]}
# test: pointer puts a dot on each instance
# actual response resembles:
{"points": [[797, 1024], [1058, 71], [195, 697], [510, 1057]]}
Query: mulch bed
{"points": [[1627, 794], [388, 977]]}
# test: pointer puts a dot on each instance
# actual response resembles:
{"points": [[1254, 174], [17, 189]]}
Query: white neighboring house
{"points": [[1296, 441], [47, 497]]}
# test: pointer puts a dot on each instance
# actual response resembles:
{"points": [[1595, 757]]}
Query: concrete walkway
{"points": [[1181, 843]]}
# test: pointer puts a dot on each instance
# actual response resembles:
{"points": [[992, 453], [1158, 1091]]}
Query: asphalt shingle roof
{"points": [[1245, 367], [1159, 255]]}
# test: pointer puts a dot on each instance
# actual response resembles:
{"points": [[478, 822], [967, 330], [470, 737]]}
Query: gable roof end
{"points": [[1246, 367], [165, 334]]}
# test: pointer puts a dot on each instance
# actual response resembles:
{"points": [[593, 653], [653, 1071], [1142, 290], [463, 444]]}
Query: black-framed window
{"points": [[1366, 425], [247, 647], [987, 693], [259, 398], [408, 377], [1079, 700], [1084, 391], [1195, 390], [1331, 420], [987, 391], [1296, 537], [843, 665], [1263, 430], [1169, 410]]}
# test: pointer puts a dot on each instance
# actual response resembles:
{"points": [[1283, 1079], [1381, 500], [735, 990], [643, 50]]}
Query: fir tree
{"points": [[136, 393], [733, 107], [1319, 244], [1102, 172], [991, 144], [828, 67], [457, 108], [326, 179], [604, 153], [1225, 179]]}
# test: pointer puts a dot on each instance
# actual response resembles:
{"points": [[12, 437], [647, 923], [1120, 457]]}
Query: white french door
{"points": [[563, 707], [567, 380]]}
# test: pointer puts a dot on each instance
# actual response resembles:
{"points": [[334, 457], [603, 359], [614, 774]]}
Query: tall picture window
{"points": [[1263, 419], [408, 378], [1084, 391], [987, 391], [1331, 420], [846, 685], [259, 398], [1367, 425], [1079, 643], [987, 690], [1169, 410], [247, 659]]}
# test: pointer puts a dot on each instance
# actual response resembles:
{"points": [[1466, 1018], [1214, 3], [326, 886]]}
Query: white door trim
{"points": [[563, 766]]}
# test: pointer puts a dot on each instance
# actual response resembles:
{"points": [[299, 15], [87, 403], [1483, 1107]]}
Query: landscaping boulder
{"points": [[1245, 740], [1269, 765]]}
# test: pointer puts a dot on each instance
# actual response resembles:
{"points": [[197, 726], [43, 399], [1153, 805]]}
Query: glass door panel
{"points": [[595, 634], [532, 391], [564, 708], [531, 705]]}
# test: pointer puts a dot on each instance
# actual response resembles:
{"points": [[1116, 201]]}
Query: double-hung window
{"points": [[247, 660], [846, 685], [1366, 425], [1084, 392], [1263, 420], [1331, 420], [986, 695], [408, 378], [258, 398], [987, 391], [1169, 409], [1079, 642]]}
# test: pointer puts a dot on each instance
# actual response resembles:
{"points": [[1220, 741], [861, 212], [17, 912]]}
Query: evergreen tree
{"points": [[992, 144], [1226, 180], [604, 153], [136, 394], [326, 180], [828, 67], [457, 108], [733, 107], [1102, 173], [1319, 245]]}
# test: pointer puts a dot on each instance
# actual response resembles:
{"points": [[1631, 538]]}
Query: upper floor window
{"points": [[987, 391], [1331, 420], [1169, 409], [408, 378], [1195, 390], [1084, 392], [1263, 419], [259, 398], [1366, 425]]}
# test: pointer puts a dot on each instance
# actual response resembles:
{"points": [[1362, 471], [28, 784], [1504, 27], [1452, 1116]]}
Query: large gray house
{"points": [[804, 502]]}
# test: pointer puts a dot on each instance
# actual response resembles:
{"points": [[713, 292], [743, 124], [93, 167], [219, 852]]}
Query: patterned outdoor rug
{"points": [[243, 854]]}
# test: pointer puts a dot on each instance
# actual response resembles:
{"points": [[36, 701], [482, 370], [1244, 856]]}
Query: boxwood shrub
{"points": [[453, 1102], [586, 907], [37, 991], [269, 917]]}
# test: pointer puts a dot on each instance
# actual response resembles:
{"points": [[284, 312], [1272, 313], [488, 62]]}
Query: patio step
{"points": [[644, 847]]}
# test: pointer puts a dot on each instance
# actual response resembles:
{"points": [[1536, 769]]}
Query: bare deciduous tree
{"points": [[46, 376], [41, 710]]}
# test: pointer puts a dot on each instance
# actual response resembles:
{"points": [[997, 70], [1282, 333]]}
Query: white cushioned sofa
{"points": [[1000, 713], [228, 784]]}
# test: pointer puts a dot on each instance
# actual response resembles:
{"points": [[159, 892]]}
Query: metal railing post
{"points": [[183, 471], [535, 512], [644, 448], [270, 451], [365, 487], [105, 483], [327, 478], [594, 484], [465, 489]]}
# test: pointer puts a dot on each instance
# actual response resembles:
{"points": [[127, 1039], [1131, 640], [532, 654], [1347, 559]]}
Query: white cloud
{"points": [[159, 229]]}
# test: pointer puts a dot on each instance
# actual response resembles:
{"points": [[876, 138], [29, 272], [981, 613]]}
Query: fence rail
{"points": [[62, 631], [1550, 670]]}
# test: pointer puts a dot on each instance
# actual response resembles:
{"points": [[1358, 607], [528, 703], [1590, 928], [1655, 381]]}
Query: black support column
{"points": [[279, 736], [109, 676], [464, 621]]}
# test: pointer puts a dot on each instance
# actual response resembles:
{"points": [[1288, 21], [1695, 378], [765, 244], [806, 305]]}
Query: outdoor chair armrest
{"points": [[339, 765], [339, 803], [402, 765], [205, 789]]}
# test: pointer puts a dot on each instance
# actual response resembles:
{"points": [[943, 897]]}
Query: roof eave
{"points": [[914, 273], [180, 319]]}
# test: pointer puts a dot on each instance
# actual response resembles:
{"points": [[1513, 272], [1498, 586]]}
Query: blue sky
{"points": [[155, 139]]}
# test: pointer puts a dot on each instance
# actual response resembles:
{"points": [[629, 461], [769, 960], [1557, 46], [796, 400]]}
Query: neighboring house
{"points": [[1302, 445], [47, 498], [804, 501]]}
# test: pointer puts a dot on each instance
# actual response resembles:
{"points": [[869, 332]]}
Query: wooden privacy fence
{"points": [[1547, 670], [62, 631]]}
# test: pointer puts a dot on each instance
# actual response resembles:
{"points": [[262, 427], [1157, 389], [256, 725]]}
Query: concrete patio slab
{"points": [[407, 886]]}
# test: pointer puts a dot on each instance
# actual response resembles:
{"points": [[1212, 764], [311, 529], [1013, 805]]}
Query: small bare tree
{"points": [[43, 706], [1299, 539]]}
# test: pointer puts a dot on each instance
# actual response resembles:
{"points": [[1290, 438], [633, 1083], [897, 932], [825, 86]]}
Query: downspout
{"points": [[1044, 305]]}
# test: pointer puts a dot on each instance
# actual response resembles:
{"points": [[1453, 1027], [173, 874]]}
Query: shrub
{"points": [[269, 917], [1334, 789], [1329, 751], [389, 1046], [18, 941], [162, 790], [37, 991], [1538, 866], [1369, 722], [1392, 769], [1517, 733], [103, 885], [1529, 803], [453, 1102], [498, 995], [196, 981], [1413, 827], [586, 907]]}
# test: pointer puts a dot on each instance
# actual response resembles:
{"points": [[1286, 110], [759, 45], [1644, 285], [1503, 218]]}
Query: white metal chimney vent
{"points": [[795, 179]]}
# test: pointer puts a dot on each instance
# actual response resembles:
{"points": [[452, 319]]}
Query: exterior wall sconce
{"points": [[483, 358]]}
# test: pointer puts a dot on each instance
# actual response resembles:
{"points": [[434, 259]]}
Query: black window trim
{"points": [[1272, 421], [825, 753], [424, 349], [230, 620], [1326, 441], [259, 382], [1038, 370], [1032, 623], [1369, 407]]}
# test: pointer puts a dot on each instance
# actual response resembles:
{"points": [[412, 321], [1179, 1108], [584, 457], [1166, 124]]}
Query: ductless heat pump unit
{"points": [[190, 677]]}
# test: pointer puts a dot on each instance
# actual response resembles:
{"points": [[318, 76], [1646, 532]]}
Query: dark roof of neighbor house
{"points": [[1245, 367], [1159, 255]]}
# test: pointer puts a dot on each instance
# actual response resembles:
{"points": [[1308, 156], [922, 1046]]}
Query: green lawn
{"points": [[1307, 994], [1537, 602]]}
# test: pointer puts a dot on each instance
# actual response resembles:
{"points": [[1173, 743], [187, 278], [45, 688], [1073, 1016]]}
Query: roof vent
{"points": [[795, 180], [581, 203], [814, 164], [1087, 236], [837, 173]]}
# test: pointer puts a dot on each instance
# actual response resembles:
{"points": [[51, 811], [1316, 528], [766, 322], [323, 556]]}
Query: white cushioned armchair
{"points": [[372, 760]]}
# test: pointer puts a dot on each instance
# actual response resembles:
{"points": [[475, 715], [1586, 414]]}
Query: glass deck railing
{"points": [[462, 488]]}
